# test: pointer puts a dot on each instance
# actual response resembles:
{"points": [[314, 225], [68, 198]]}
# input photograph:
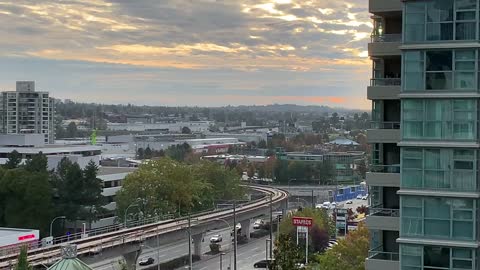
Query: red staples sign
{"points": [[302, 221]]}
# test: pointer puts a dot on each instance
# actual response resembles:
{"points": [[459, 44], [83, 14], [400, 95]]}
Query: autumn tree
{"points": [[349, 253]]}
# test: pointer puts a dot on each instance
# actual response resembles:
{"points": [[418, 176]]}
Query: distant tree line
{"points": [[31, 195]]}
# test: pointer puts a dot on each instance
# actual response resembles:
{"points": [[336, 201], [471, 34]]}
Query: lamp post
{"points": [[53, 220], [221, 255], [126, 210], [230, 243]]}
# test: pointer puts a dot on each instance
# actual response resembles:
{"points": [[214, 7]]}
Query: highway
{"points": [[46, 255], [168, 252], [247, 255]]}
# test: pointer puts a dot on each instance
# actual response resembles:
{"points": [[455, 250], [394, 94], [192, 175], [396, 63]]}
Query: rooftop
{"points": [[114, 170]]}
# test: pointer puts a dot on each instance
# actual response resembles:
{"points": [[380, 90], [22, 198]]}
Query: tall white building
{"points": [[27, 111]]}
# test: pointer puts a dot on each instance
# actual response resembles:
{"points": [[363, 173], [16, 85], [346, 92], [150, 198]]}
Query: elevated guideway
{"points": [[129, 240]]}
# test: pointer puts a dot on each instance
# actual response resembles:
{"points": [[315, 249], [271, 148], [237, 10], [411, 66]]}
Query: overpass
{"points": [[128, 241]]}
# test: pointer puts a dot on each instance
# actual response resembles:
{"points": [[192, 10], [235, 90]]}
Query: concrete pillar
{"points": [[132, 257], [197, 244], [246, 228]]}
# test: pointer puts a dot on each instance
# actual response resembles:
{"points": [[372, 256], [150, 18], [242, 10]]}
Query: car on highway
{"points": [[146, 261], [326, 205], [216, 238], [258, 224], [262, 264], [349, 202], [333, 205]]}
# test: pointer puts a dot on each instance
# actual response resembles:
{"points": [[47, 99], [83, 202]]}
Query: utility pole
{"points": [[271, 226], [313, 203], [234, 235], [190, 263]]}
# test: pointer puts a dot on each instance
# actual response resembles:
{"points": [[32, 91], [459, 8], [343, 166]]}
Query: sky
{"points": [[189, 52]]}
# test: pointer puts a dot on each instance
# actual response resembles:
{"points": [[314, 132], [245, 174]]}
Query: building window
{"points": [[440, 70], [439, 169], [436, 257], [440, 20], [438, 218], [439, 119]]}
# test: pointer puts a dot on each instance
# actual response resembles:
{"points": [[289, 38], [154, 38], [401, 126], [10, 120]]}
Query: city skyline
{"points": [[205, 52]]}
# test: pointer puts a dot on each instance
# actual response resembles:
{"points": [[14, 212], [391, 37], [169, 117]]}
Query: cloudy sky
{"points": [[189, 52]]}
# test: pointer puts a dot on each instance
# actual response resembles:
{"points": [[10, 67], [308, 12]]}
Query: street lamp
{"points": [[126, 210], [51, 223], [230, 243], [221, 255]]}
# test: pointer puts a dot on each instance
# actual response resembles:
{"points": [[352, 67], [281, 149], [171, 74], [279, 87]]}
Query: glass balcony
{"points": [[378, 254], [386, 38], [384, 125], [385, 82], [384, 212], [394, 168]]}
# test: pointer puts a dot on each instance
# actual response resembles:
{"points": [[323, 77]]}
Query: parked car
{"points": [[359, 196], [216, 238], [258, 224], [146, 261], [333, 205], [326, 205], [349, 202], [365, 197], [262, 264]]}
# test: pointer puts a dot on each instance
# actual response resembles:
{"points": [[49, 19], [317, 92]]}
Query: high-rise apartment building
{"points": [[27, 111], [424, 179]]}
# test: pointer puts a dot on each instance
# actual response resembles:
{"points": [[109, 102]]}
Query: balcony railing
{"points": [[386, 38], [385, 82], [395, 168], [384, 125], [378, 254], [384, 212]]}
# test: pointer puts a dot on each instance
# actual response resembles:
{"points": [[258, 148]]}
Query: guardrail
{"points": [[386, 38], [378, 254], [385, 82], [384, 212], [384, 125], [385, 168], [46, 255]]}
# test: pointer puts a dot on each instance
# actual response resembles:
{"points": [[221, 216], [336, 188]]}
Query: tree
{"points": [[78, 192], [148, 153], [320, 238], [93, 200], [38, 163], [140, 153], [186, 130], [14, 159], [26, 199], [350, 253], [362, 168], [326, 172], [286, 253], [22, 260], [262, 144], [72, 130]]}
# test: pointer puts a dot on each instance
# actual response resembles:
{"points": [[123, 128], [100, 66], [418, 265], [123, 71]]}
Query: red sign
{"points": [[26, 237], [302, 221]]}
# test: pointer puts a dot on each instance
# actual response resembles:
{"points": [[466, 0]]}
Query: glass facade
{"points": [[440, 20], [439, 169], [417, 257], [438, 218], [439, 119], [440, 70]]}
